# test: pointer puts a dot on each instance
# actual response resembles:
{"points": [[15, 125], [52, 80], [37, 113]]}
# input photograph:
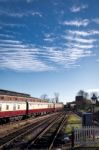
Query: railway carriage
{"points": [[10, 109], [40, 108], [17, 106], [58, 106]]}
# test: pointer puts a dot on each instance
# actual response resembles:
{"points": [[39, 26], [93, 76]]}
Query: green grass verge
{"points": [[73, 121]]}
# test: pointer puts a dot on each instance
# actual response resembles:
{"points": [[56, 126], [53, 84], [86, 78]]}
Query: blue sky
{"points": [[49, 46]]}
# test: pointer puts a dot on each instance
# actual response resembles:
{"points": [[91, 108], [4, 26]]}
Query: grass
{"points": [[70, 127], [73, 121]]}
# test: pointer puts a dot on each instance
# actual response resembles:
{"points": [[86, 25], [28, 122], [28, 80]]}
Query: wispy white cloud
{"points": [[10, 41], [78, 8], [21, 63], [77, 53], [96, 20], [15, 55], [77, 22], [67, 57], [49, 39], [49, 35], [37, 14], [6, 35], [57, 51], [26, 57], [79, 45], [79, 39], [20, 14], [83, 33]]}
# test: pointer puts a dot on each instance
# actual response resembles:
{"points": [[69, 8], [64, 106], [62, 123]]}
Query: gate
{"points": [[86, 137]]}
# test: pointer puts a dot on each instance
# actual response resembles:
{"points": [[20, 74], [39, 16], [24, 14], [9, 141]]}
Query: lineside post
{"points": [[72, 139]]}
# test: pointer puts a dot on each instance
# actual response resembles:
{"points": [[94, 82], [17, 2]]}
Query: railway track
{"points": [[23, 136], [28, 139], [45, 139], [7, 129]]}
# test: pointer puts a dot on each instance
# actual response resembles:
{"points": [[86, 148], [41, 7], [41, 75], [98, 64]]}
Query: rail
{"points": [[38, 140], [6, 141]]}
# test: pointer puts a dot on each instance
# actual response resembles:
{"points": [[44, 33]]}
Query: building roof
{"points": [[13, 93]]}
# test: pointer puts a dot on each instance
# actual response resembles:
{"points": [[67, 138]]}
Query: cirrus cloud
{"points": [[78, 8], [77, 22]]}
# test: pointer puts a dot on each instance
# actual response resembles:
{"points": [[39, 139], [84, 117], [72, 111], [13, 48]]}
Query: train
{"points": [[15, 105]]}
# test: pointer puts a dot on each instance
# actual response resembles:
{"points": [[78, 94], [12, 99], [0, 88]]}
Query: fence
{"points": [[86, 136]]}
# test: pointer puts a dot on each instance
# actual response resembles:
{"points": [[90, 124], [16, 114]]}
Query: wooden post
{"points": [[72, 139]]}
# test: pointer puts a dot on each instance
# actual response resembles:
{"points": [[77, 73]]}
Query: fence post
{"points": [[72, 138]]}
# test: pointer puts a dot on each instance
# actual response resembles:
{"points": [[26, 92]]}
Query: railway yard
{"points": [[30, 123], [39, 133], [48, 132], [49, 67]]}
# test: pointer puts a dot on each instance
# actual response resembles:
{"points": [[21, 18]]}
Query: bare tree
{"points": [[44, 97], [56, 95], [52, 100], [86, 95]]}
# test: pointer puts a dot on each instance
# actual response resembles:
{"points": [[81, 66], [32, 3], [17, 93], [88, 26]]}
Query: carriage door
{"points": [[27, 107]]}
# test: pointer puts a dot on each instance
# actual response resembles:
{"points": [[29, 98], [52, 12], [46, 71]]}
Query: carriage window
{"points": [[7, 107], [0, 108], [2, 97]]}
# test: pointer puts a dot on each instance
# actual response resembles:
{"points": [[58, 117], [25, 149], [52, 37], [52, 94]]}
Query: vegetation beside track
{"points": [[73, 121]]}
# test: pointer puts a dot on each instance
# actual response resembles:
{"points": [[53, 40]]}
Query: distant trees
{"points": [[82, 100], [45, 97], [55, 99], [83, 94], [87, 95]]}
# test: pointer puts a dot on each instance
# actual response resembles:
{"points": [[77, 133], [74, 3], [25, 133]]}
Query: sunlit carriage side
{"points": [[15, 106]]}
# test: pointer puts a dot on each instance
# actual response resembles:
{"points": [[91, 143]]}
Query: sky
{"points": [[49, 46]]}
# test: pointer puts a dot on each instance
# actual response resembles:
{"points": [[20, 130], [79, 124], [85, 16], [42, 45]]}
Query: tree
{"points": [[56, 95], [80, 93], [52, 100], [82, 99], [44, 97], [83, 94]]}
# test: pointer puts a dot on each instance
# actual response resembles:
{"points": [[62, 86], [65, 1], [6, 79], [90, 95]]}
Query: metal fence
{"points": [[86, 136]]}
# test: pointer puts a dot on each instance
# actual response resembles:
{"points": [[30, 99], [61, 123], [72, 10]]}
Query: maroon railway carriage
{"points": [[17, 106]]}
